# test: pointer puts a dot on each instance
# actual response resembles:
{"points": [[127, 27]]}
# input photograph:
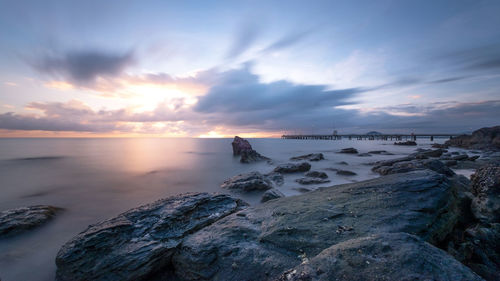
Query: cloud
{"points": [[287, 41], [480, 58], [245, 37], [84, 67]]}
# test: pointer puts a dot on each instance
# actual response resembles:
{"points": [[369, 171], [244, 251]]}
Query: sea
{"points": [[97, 179]]}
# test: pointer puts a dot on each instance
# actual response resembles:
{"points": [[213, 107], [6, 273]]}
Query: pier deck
{"points": [[369, 137]]}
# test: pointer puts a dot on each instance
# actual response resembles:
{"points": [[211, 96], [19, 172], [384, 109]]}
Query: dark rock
{"points": [[343, 163], [460, 157], [484, 138], [439, 145], [473, 158], [316, 174], [345, 173], [271, 238], [486, 190], [389, 256], [364, 155], [381, 152], [248, 182], [411, 165], [310, 157], [450, 163], [405, 143], [277, 178], [292, 168], [309, 180], [271, 194], [140, 242], [248, 155], [15, 221], [431, 152], [350, 150]]}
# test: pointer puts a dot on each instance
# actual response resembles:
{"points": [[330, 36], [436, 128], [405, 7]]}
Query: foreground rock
{"points": [[271, 194], [310, 157], [350, 150], [18, 220], [248, 154], [248, 182], [203, 237], [486, 189], [288, 168], [484, 138], [141, 241], [394, 256]]}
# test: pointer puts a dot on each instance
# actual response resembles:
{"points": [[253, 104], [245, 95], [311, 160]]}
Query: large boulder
{"points": [[404, 165], [486, 189], [141, 241], [239, 145], [248, 154], [484, 138], [248, 182], [288, 168], [381, 257], [310, 157], [15, 221]]}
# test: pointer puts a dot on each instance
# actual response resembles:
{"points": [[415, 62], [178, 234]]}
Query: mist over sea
{"points": [[96, 179]]}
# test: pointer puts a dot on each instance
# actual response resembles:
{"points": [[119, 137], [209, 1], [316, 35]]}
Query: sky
{"points": [[250, 68]]}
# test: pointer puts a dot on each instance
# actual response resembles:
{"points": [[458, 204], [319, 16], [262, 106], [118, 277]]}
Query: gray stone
{"points": [[486, 189], [346, 173], [384, 168], [15, 221], [350, 150], [316, 174], [460, 157], [310, 180], [248, 182], [292, 168], [310, 157], [271, 194], [141, 241]]}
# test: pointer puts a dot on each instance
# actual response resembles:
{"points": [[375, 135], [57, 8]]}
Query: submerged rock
{"points": [[292, 168], [316, 174], [364, 155], [405, 143], [271, 194], [310, 180], [350, 150], [310, 157], [343, 163], [141, 241], [345, 173], [389, 256], [15, 221], [248, 182], [381, 152]]}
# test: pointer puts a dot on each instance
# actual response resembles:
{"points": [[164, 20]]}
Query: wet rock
{"points": [[364, 155], [15, 221], [431, 152], [343, 163], [316, 174], [275, 177], [485, 183], [381, 152], [384, 168], [460, 157], [484, 138], [405, 143], [271, 194], [388, 256], [473, 158], [439, 145], [140, 242], [248, 182], [345, 173], [310, 157], [292, 168], [450, 163], [350, 150], [309, 180], [248, 154]]}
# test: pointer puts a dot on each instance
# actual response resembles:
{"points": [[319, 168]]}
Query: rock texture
{"points": [[390, 256], [406, 166], [271, 194], [248, 182], [140, 242], [310, 180], [486, 189], [292, 168], [309, 157], [18, 220], [248, 154], [316, 174], [484, 138]]}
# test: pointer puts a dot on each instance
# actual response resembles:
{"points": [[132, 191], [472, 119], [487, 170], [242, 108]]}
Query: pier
{"points": [[385, 137]]}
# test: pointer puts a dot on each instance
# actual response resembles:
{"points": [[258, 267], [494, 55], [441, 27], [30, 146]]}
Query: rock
{"points": [[316, 174], [439, 145], [240, 145], [485, 183], [271, 194], [431, 152], [349, 150], [343, 163], [484, 138], [450, 163], [411, 165], [292, 168], [141, 241], [277, 178], [460, 157], [381, 152], [309, 180], [248, 182], [15, 221], [364, 155], [405, 143], [248, 155], [345, 173], [310, 157], [302, 189], [388, 256], [473, 158], [265, 240]]}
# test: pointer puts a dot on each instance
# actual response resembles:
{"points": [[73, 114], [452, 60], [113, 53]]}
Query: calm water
{"points": [[95, 179]]}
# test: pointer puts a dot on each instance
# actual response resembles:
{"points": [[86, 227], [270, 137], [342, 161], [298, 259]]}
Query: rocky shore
{"points": [[418, 221]]}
